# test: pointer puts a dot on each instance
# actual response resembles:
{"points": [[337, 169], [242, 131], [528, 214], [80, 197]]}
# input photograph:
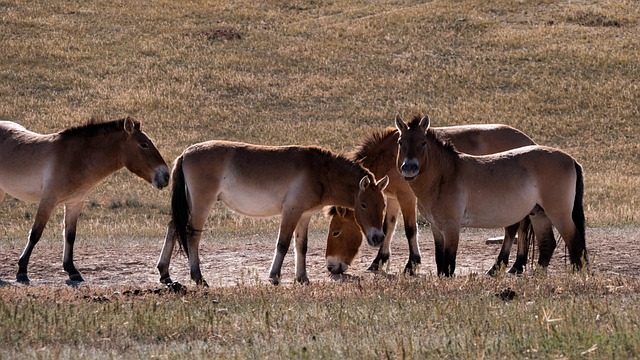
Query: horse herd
{"points": [[486, 176]]}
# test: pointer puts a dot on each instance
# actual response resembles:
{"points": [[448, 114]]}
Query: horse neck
{"points": [[100, 154], [342, 183], [440, 167]]}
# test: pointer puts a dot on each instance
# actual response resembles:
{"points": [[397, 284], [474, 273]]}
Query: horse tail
{"points": [[180, 205], [578, 213], [528, 235]]}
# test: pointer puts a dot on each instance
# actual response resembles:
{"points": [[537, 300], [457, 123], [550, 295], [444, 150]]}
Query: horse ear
{"points": [[364, 183], [400, 124], [382, 183], [425, 122], [129, 126], [340, 211]]}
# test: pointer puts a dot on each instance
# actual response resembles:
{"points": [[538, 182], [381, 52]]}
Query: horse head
{"points": [[412, 146], [141, 156], [343, 240], [369, 209]]}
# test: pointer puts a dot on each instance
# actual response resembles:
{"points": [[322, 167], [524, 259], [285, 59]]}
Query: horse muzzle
{"points": [[375, 237], [335, 266], [409, 169], [161, 177]]}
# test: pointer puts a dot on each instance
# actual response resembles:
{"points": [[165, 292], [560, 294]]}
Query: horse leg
{"points": [[445, 258], [390, 218], [525, 237], [198, 218], [503, 257], [451, 239], [408, 208], [71, 214], [301, 241], [545, 238], [288, 224], [165, 255], [575, 243], [45, 208]]}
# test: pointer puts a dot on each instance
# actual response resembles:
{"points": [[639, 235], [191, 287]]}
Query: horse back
{"points": [[250, 179], [484, 139]]}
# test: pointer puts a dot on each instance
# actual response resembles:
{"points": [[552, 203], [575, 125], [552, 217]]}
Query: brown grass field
{"points": [[320, 73]]}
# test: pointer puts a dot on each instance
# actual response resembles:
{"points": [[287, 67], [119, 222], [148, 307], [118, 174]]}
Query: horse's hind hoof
{"points": [[23, 279], [176, 287], [76, 278], [275, 280]]}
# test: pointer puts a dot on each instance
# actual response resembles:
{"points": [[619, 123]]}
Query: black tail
{"points": [[526, 231], [180, 205], [578, 215]]}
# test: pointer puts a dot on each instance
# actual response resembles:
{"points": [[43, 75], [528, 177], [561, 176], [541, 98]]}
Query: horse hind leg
{"points": [[543, 229], [525, 239], [45, 208], [503, 257], [165, 255]]}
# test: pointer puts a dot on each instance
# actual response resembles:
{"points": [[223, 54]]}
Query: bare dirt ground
{"points": [[613, 250]]}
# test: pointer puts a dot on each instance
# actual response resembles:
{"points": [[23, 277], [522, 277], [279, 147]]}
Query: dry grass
{"points": [[321, 72], [468, 317]]}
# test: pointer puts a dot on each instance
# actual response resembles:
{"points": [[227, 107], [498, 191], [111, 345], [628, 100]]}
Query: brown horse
{"points": [[378, 153], [262, 181], [63, 168], [455, 190]]}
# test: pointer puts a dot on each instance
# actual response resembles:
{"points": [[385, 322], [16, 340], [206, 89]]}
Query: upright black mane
{"points": [[95, 127], [370, 145], [446, 144]]}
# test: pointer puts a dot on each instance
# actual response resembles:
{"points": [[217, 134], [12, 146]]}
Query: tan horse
{"points": [[378, 153], [63, 168], [260, 181], [455, 190]]}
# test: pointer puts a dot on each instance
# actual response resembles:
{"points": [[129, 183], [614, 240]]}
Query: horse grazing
{"points": [[378, 152], [261, 181], [63, 168], [455, 190]]}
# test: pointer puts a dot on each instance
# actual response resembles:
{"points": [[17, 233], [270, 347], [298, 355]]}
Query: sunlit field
{"points": [[322, 73]]}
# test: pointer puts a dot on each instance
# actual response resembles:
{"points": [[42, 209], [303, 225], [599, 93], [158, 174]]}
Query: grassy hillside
{"points": [[325, 73]]}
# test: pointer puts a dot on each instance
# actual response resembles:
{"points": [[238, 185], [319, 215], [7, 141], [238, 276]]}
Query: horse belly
{"points": [[251, 201]]}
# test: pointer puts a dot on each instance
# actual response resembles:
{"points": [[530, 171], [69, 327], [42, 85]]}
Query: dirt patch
{"points": [[247, 259]]}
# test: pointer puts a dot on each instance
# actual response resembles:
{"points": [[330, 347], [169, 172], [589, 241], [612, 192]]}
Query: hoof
{"points": [[167, 281], [275, 280], [202, 283], [411, 269], [176, 287], [22, 279], [515, 271], [375, 266], [76, 278], [304, 280]]}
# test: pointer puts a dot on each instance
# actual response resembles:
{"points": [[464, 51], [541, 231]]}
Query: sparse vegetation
{"points": [[324, 73]]}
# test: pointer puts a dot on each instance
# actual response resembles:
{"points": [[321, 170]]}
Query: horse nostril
{"points": [[408, 167]]}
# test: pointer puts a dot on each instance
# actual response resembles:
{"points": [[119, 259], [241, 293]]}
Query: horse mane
{"points": [[95, 127], [369, 148], [445, 144], [344, 162]]}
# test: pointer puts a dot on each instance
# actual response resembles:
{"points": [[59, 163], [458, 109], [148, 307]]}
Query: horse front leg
{"points": [[287, 226], [165, 255], [503, 257], [42, 216], [301, 241], [450, 251], [390, 219], [408, 208], [71, 214]]}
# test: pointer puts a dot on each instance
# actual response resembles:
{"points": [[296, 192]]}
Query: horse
{"points": [[455, 189], [377, 152], [64, 167], [262, 181]]}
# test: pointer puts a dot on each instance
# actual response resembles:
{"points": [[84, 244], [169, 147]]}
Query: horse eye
{"points": [[144, 145], [363, 205], [335, 233], [424, 143]]}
